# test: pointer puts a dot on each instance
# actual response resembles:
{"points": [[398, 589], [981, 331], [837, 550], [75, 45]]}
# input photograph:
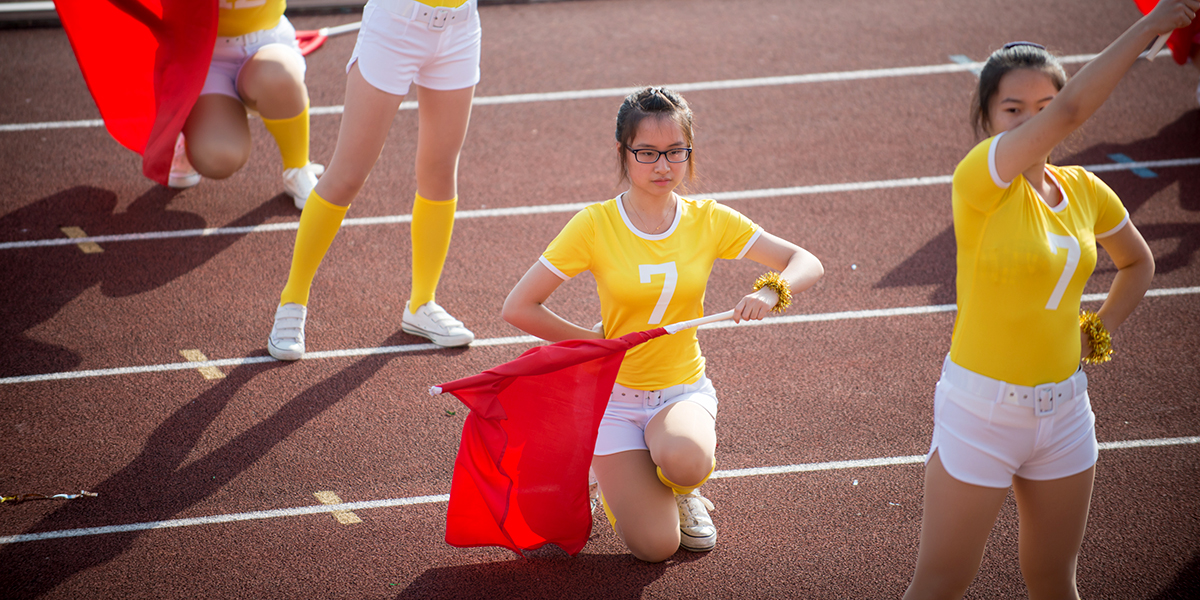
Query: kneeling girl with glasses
{"points": [[651, 252]]}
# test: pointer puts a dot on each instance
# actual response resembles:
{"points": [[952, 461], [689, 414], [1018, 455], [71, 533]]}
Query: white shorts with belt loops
{"points": [[986, 430], [629, 411], [403, 42]]}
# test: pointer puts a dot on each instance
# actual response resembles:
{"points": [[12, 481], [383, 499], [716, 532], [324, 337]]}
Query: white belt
{"points": [[437, 18], [647, 398], [1043, 399], [242, 40]]}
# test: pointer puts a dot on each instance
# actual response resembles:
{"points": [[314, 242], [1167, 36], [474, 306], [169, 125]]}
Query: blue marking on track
{"points": [[1140, 172]]}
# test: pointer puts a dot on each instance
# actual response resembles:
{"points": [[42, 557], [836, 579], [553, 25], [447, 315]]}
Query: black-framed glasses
{"points": [[649, 157]]}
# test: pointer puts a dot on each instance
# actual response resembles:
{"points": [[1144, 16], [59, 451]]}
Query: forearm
{"points": [[537, 320], [1128, 288], [1091, 86]]}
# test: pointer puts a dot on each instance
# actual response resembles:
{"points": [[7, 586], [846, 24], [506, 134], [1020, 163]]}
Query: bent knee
{"points": [[219, 164], [654, 550], [686, 468]]}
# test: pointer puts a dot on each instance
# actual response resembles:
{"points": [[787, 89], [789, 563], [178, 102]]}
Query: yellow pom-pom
{"points": [[1099, 337], [776, 282]]}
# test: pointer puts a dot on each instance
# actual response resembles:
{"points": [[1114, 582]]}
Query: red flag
{"points": [[521, 476], [1180, 41], [144, 62]]}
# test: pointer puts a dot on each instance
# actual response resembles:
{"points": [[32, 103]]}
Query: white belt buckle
{"points": [[1043, 400], [438, 21]]}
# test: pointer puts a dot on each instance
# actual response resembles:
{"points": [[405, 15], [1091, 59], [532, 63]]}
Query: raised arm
{"points": [[796, 265], [1032, 142], [524, 308]]}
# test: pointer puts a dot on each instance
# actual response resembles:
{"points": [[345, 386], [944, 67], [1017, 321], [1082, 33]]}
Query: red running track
{"points": [[206, 486]]}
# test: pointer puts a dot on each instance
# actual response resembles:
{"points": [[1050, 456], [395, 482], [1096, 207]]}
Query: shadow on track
{"points": [[546, 573], [934, 263], [153, 487], [39, 282], [1185, 585]]}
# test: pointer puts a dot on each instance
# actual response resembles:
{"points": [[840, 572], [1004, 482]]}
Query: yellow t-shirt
{"points": [[1022, 266], [444, 3], [647, 281], [239, 17]]}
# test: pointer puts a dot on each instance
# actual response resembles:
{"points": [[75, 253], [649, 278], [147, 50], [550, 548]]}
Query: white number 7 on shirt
{"points": [[668, 289], [1071, 245]]}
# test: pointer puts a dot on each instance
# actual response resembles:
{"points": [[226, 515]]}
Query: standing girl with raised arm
{"points": [[433, 49], [651, 252], [1011, 407]]}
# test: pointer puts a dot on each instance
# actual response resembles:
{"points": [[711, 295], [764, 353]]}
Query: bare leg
{"points": [[366, 119], [217, 135], [272, 83], [442, 127], [1053, 517], [647, 518], [683, 440], [955, 524]]}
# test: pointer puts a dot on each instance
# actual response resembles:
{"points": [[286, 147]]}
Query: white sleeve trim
{"points": [[992, 163], [754, 238], [553, 269], [1114, 229]]}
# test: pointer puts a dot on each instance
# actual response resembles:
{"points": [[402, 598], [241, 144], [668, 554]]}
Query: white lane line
{"points": [[528, 339], [621, 92], [434, 499], [490, 213]]}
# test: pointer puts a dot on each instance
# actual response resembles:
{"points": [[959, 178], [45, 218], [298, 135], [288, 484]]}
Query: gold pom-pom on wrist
{"points": [[1098, 336], [779, 285]]}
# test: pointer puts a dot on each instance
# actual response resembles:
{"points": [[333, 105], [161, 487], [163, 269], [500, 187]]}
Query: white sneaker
{"points": [[287, 336], [696, 530], [182, 173], [299, 182], [433, 322]]}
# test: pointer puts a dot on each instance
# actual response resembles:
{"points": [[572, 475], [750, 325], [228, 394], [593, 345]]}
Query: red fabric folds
{"points": [[1180, 41], [521, 476], [144, 62]]}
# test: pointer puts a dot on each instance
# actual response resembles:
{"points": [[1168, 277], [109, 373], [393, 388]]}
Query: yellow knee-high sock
{"points": [[432, 224], [681, 489], [608, 512], [291, 135], [319, 223]]}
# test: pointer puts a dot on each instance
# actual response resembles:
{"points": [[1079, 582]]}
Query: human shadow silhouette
{"points": [[934, 263], [545, 573], [1185, 584], [153, 487], [38, 282]]}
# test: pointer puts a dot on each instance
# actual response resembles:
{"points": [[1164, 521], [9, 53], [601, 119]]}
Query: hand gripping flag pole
{"points": [[1179, 41], [521, 476]]}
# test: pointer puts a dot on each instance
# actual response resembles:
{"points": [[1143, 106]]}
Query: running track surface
{"points": [[207, 472]]}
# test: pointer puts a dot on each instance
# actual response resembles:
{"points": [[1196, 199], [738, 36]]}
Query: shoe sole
{"points": [[180, 183], [281, 354], [697, 544], [443, 341]]}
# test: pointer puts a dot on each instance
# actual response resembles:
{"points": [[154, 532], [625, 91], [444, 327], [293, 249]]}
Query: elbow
{"points": [[508, 312]]}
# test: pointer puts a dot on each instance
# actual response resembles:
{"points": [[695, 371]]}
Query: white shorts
{"points": [[624, 424], [231, 53], [404, 42], [986, 431]]}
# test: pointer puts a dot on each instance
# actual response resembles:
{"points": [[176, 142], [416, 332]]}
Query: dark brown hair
{"points": [[1017, 55], [657, 102]]}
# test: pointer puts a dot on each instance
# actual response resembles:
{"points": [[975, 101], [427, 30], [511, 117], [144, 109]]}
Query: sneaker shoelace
{"points": [[693, 515]]}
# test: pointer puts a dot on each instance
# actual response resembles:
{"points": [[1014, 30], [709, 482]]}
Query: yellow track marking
{"points": [[344, 517]]}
